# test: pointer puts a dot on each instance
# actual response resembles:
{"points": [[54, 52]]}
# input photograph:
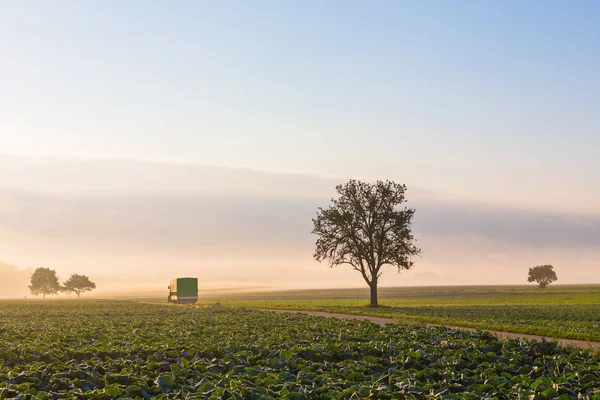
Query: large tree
{"points": [[44, 281], [367, 227], [78, 284], [542, 274]]}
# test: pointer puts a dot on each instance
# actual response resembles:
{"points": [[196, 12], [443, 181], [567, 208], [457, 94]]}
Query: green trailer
{"points": [[183, 291]]}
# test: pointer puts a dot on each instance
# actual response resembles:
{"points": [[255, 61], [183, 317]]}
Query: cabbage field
{"points": [[111, 349], [568, 321], [568, 311]]}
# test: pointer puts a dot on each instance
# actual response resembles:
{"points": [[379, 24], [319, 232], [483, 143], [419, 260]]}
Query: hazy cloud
{"points": [[118, 215], [13, 280], [7, 130], [515, 227], [187, 221]]}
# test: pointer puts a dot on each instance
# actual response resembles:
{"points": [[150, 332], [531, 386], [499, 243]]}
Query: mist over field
{"points": [[140, 223]]}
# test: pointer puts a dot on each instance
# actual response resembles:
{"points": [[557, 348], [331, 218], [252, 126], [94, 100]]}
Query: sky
{"points": [[486, 110]]}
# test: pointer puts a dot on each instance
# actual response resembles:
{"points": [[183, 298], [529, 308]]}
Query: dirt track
{"points": [[581, 344]]}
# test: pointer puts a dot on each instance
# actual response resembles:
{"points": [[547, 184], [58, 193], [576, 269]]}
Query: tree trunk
{"points": [[374, 294], [78, 293], [43, 295]]}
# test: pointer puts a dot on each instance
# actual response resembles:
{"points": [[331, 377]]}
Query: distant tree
{"points": [[542, 274], [78, 284], [365, 229], [44, 281]]}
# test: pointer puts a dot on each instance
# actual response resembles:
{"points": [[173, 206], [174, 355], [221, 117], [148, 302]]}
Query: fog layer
{"points": [[129, 223]]}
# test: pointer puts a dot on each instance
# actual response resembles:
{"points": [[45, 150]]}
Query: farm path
{"points": [[581, 344]]}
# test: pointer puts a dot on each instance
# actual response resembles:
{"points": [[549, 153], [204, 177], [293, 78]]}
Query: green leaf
{"points": [[549, 393], [165, 382], [113, 390]]}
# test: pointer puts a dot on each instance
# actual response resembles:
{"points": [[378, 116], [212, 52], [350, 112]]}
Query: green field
{"points": [[111, 349], [563, 311]]}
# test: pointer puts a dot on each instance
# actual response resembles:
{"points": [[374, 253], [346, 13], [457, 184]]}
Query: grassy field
{"points": [[565, 311], [117, 349]]}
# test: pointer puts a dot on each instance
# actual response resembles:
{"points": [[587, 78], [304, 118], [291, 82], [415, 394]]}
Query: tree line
{"points": [[45, 282]]}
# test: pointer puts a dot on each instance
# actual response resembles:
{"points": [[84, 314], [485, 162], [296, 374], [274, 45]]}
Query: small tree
{"points": [[542, 274], [78, 284], [44, 281], [365, 229]]}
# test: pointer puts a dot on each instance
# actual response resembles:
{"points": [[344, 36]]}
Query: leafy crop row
{"points": [[576, 321], [569, 321], [107, 350]]}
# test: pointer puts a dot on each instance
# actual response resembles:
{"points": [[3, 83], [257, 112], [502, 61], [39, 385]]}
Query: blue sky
{"points": [[468, 102], [439, 94]]}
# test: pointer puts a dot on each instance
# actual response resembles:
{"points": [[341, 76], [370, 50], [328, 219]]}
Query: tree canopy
{"points": [[44, 281], [78, 284], [366, 228], [542, 274]]}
